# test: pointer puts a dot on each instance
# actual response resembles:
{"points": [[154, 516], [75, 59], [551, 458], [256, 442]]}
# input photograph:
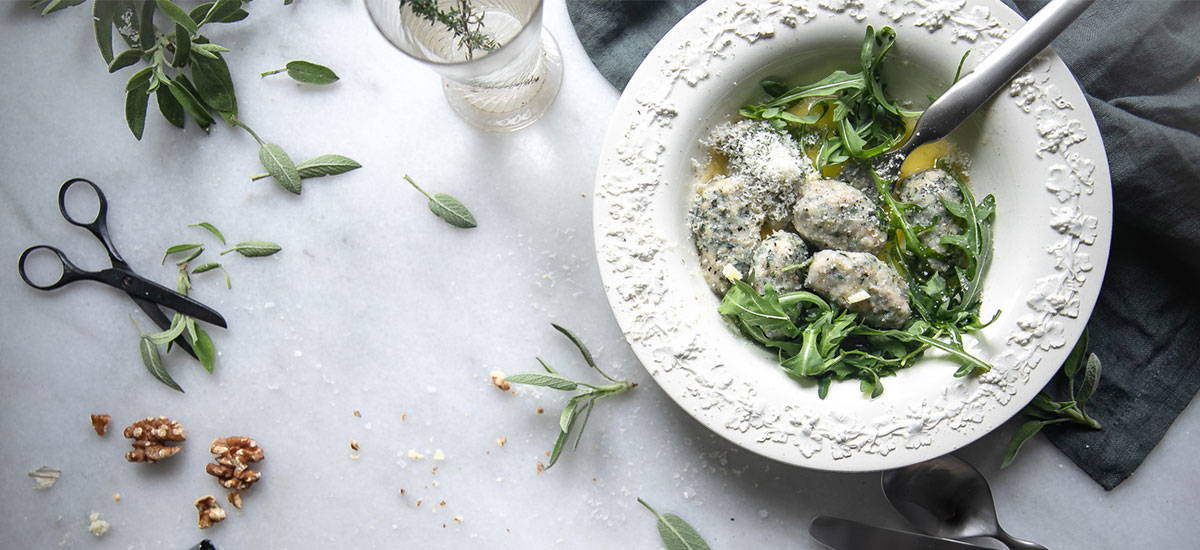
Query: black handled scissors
{"points": [[147, 294]]}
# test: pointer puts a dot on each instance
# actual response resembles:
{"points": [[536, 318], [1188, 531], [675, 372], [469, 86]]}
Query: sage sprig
{"points": [[579, 408], [676, 533], [446, 207], [184, 71], [463, 20], [306, 72], [1045, 410], [316, 167]]}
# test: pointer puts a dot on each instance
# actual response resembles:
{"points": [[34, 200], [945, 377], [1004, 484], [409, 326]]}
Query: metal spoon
{"points": [[992, 74], [946, 497]]}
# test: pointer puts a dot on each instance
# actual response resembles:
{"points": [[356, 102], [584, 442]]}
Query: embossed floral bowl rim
{"points": [[1036, 147]]}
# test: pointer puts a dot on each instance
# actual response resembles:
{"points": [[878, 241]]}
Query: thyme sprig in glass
{"points": [[464, 20]]}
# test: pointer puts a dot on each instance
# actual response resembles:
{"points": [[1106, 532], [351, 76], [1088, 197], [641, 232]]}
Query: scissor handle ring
{"points": [[96, 222], [70, 273]]}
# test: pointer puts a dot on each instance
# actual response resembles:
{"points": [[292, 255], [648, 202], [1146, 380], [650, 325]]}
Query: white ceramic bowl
{"points": [[1035, 147]]}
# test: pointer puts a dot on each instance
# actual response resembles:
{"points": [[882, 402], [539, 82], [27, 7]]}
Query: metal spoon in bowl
{"points": [[992, 74], [947, 497]]}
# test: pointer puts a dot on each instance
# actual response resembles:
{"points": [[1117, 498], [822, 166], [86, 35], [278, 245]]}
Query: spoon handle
{"points": [[1014, 543], [970, 92]]}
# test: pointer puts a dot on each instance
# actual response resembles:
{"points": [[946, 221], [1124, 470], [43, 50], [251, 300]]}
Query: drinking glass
{"points": [[500, 69]]}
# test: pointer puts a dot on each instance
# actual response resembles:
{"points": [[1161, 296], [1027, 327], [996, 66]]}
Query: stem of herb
{"points": [[417, 187], [276, 71], [233, 121]]}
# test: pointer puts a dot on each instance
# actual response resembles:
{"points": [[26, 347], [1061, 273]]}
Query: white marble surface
{"points": [[375, 305]]}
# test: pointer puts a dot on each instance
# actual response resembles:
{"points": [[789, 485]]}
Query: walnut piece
{"points": [[150, 436], [235, 454], [100, 423], [211, 513]]}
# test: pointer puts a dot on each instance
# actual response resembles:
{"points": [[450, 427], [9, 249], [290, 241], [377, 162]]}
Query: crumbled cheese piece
{"points": [[439, 455], [97, 526], [731, 273], [459, 519], [116, 497], [858, 296], [413, 454], [501, 441]]}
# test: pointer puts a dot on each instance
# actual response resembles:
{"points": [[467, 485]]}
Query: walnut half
{"points": [[211, 513], [150, 436], [235, 454], [100, 423]]}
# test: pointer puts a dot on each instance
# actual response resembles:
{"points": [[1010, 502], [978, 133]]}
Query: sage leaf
{"points": [[212, 80], [676, 534], [55, 5], [447, 208], [190, 103], [135, 109], [191, 256], [176, 249], [567, 418], [252, 249], [1026, 431], [170, 107], [222, 11], [546, 366], [553, 381], [153, 362], [178, 325], [559, 443], [280, 166], [176, 13], [103, 15], [211, 229], [1091, 379], [124, 59], [309, 73], [183, 47], [207, 266], [146, 31], [326, 165], [203, 346], [583, 350], [140, 78]]}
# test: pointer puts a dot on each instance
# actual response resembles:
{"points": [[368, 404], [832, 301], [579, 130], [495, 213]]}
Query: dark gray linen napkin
{"points": [[1139, 64]]}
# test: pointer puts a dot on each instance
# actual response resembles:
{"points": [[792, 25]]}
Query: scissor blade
{"points": [[160, 319], [139, 287]]}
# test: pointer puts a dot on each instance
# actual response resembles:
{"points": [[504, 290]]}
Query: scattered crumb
{"points": [[100, 423], [459, 519], [500, 441], [439, 455], [435, 483], [116, 497], [499, 382], [442, 503], [595, 480], [584, 195], [403, 416], [540, 467], [357, 413], [434, 470], [45, 477], [403, 492], [355, 456], [540, 410], [418, 502], [413, 454], [547, 453], [354, 444], [97, 526]]}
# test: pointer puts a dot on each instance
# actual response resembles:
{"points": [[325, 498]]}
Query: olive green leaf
{"points": [[211, 229], [546, 380], [446, 207], [211, 76], [124, 59], [280, 166], [307, 72], [207, 266], [135, 109], [103, 15], [170, 107], [190, 102], [324, 165], [153, 362], [676, 534], [176, 249], [146, 32], [203, 346], [254, 248], [183, 47], [176, 13], [191, 256], [1026, 431]]}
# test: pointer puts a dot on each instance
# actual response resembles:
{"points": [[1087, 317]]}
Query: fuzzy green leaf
{"points": [[211, 229], [183, 47], [176, 13], [326, 165], [308, 73], [1091, 380], [103, 16], [1026, 431], [277, 163], [178, 325], [206, 266], [254, 249], [447, 207], [170, 107], [190, 103], [176, 249], [212, 80], [136, 101], [154, 365], [676, 533], [203, 346], [124, 59], [553, 381]]}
